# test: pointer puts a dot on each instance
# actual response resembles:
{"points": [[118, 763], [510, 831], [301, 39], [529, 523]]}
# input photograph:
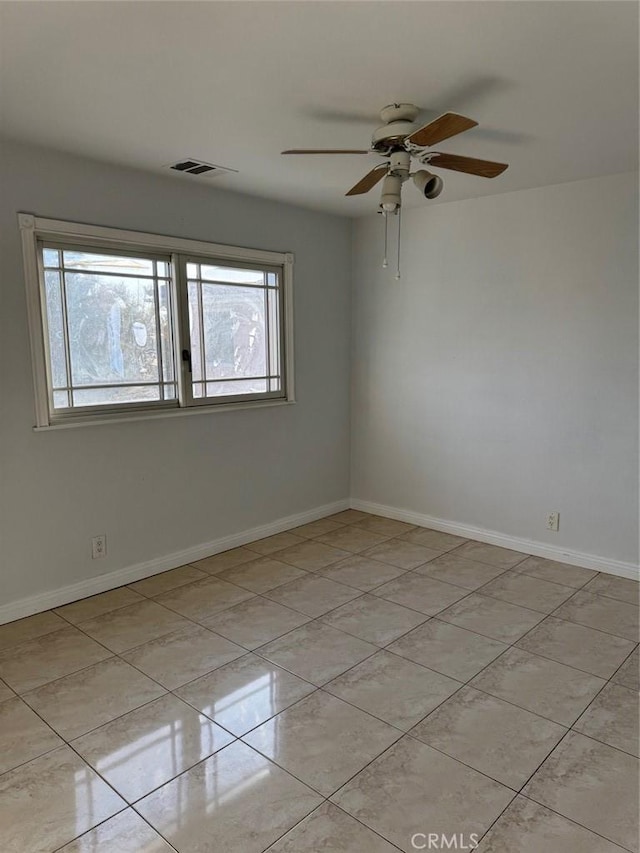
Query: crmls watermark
{"points": [[441, 841]]}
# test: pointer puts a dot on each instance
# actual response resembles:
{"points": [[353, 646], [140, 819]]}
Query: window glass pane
{"points": [[166, 337], [273, 299], [241, 386], [234, 331], [55, 326], [112, 329], [60, 399], [195, 332], [95, 262], [231, 275], [170, 392], [51, 258], [112, 396]]}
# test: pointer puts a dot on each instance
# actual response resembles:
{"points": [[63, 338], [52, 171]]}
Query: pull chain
{"points": [[397, 275], [385, 264]]}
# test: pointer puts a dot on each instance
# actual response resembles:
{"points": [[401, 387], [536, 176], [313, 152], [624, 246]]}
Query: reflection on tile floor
{"points": [[340, 687]]}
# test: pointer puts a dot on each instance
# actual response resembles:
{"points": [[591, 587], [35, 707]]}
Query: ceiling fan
{"points": [[398, 140]]}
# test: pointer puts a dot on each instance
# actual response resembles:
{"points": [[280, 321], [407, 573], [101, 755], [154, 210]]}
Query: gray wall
{"points": [[159, 486], [498, 380]]}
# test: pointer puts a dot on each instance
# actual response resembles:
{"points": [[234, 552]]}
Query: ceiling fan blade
{"points": [[325, 151], [443, 127], [484, 168], [369, 180]]}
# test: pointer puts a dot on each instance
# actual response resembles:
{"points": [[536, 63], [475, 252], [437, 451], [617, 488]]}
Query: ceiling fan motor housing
{"points": [[391, 136], [398, 123]]}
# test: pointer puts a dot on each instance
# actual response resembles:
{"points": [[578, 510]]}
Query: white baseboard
{"points": [[527, 546], [102, 583], [92, 586]]}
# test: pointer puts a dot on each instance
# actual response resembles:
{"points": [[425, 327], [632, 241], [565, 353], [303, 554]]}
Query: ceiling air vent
{"points": [[191, 166]]}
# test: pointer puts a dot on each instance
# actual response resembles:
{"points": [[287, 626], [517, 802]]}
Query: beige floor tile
{"points": [[551, 570], [317, 528], [50, 801], [386, 526], [133, 625], [236, 801], [147, 747], [361, 572], [312, 595], [51, 656], [262, 574], [528, 591], [629, 673], [330, 830], [413, 788], [225, 560], [275, 543], [23, 735], [433, 539], [623, 589], [405, 555], [592, 784], [492, 554], [448, 649], [177, 658], [393, 689], [168, 580], [29, 628], [317, 652], [540, 685], [604, 614], [322, 741], [5, 692], [352, 538], [124, 833], [491, 617], [96, 605], [421, 593], [351, 516], [373, 619], [460, 572], [613, 718], [80, 702], [255, 622], [203, 599], [578, 646], [312, 556], [492, 736], [245, 693], [527, 827]]}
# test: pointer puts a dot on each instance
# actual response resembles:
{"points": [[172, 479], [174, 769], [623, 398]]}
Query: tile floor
{"points": [[342, 687]]}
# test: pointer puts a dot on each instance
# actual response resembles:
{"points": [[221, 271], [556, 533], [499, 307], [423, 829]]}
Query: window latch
{"points": [[186, 356]]}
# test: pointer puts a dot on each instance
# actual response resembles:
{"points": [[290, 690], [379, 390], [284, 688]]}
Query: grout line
{"points": [[327, 801], [575, 822]]}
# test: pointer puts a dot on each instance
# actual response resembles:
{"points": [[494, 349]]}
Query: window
{"points": [[126, 324]]}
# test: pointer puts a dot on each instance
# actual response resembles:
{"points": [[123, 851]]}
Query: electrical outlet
{"points": [[99, 546], [553, 521]]}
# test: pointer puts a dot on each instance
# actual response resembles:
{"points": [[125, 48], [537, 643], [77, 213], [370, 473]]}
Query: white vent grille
{"points": [[192, 166]]}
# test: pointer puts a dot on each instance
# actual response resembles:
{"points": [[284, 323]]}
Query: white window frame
{"points": [[36, 229]]}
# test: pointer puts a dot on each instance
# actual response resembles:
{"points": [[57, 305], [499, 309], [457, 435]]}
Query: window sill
{"points": [[104, 420]]}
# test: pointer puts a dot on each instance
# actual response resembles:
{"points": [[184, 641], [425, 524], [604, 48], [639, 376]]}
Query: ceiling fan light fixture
{"points": [[428, 185], [390, 199]]}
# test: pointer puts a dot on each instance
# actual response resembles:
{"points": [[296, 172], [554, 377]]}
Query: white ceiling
{"points": [[554, 86]]}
